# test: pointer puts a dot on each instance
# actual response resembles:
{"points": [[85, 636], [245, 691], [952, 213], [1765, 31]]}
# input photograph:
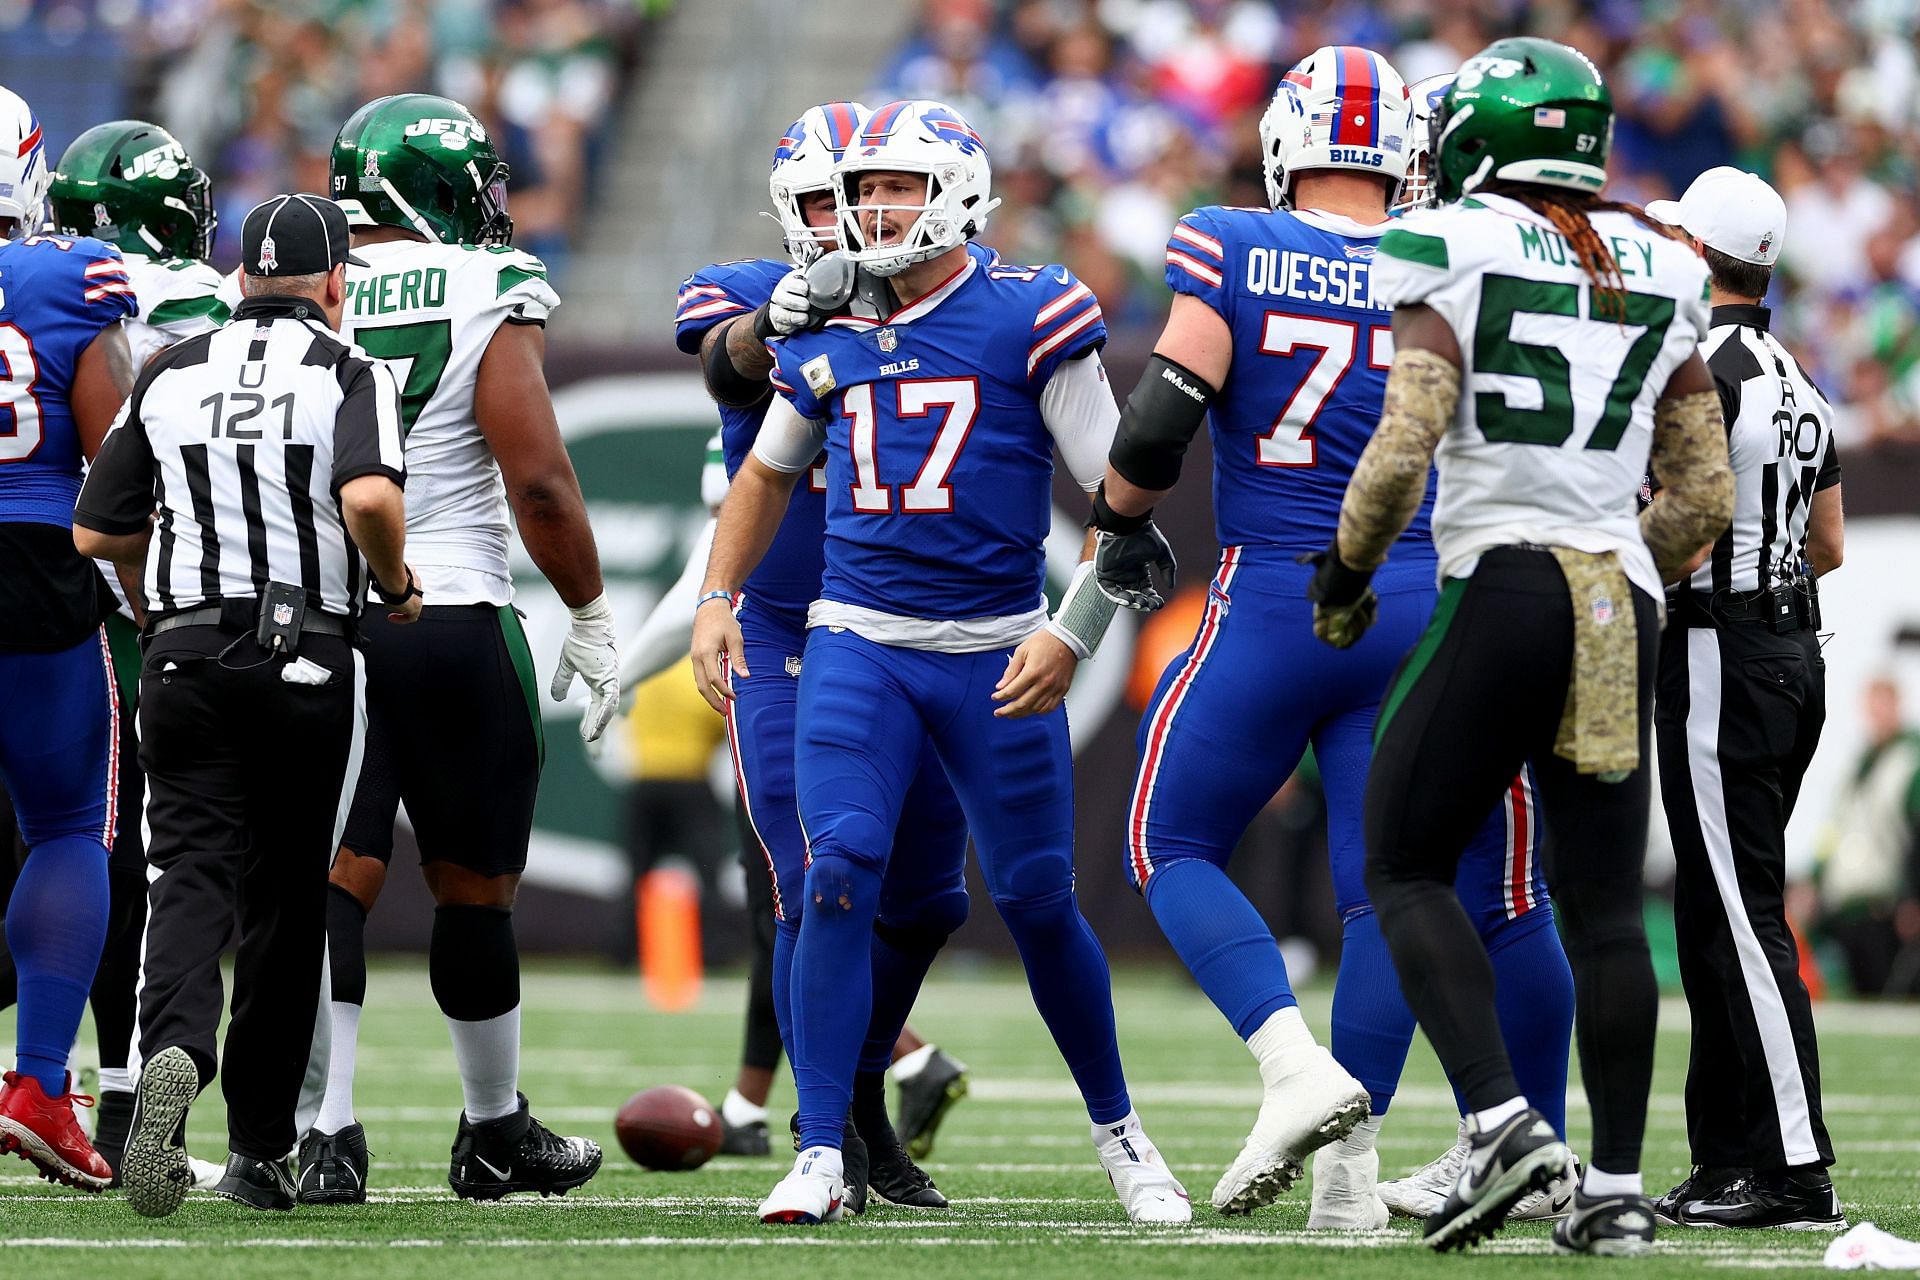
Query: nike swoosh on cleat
{"points": [[502, 1174]]}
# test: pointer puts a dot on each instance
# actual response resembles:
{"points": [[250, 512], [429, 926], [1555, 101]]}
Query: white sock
{"points": [[821, 1160], [116, 1080], [1596, 1183], [488, 1054], [336, 1106], [1493, 1117], [1280, 1042], [1362, 1139], [913, 1063], [739, 1112], [1127, 1126]]}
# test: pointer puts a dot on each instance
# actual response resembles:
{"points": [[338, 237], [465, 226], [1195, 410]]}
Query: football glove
{"points": [[590, 653], [806, 296], [1123, 565], [1344, 603]]}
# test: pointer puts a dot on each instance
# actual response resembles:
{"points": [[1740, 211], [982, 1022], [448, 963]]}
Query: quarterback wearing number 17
{"points": [[940, 397]]}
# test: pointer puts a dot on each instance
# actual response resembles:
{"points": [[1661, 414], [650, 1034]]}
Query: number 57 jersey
{"points": [[1550, 441], [1311, 346]]}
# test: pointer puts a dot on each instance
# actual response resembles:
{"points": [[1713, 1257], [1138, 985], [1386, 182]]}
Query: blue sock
{"points": [[832, 992], [786, 936], [1372, 1025], [1533, 992], [1072, 989], [56, 925], [1222, 940], [901, 959]]}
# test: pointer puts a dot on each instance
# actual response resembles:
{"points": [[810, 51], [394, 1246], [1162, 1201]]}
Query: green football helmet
{"points": [[1523, 110], [422, 162], [133, 185]]}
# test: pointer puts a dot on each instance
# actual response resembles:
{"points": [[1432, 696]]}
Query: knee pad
{"points": [[474, 963], [924, 925], [840, 884]]}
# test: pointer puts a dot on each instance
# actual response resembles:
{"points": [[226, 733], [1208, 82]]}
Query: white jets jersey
{"points": [[178, 299], [430, 310], [1555, 422]]}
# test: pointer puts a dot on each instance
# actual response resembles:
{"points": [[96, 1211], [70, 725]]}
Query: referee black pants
{"points": [[248, 782], [1739, 715], [1481, 694]]}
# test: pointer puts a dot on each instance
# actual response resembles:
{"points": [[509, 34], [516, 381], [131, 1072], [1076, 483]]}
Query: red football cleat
{"points": [[43, 1131]]}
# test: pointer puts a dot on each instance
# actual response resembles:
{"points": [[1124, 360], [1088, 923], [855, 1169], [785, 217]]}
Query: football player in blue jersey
{"points": [[725, 313], [66, 371], [1276, 337], [940, 416]]}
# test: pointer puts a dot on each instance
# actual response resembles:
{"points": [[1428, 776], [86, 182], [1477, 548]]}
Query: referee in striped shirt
{"points": [[1741, 696], [255, 473]]}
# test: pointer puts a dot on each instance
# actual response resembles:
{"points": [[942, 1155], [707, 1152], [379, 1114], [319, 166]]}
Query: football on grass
{"points": [[668, 1128]]}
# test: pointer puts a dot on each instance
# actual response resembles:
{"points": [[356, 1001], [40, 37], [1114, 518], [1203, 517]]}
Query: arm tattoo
{"points": [[1423, 389], [1689, 463], [750, 356]]}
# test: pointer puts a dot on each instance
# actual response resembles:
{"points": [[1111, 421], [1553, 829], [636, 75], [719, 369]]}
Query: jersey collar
{"points": [[1342, 225], [940, 293], [280, 306], [1742, 313]]}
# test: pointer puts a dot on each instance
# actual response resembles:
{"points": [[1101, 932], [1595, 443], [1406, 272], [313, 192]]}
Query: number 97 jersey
{"points": [[1555, 422], [1311, 346]]}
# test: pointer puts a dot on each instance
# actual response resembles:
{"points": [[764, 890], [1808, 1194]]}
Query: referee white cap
{"points": [[296, 235], [1732, 211]]}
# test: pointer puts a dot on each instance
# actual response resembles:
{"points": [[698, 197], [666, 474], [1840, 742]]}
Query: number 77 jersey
{"points": [[1550, 441], [1311, 346]]}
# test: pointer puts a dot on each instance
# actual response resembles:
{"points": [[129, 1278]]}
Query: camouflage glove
{"points": [[1344, 604]]}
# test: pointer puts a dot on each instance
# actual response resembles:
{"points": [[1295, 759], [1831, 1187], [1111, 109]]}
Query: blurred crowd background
{"points": [[1106, 120]]}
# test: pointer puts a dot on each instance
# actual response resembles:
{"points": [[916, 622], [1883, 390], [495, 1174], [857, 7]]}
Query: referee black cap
{"points": [[296, 235]]}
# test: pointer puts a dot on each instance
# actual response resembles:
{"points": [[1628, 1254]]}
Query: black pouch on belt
{"points": [[283, 608]]}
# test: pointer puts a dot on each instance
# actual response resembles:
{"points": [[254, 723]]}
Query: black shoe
{"points": [[1787, 1201], [154, 1170], [925, 1100], [260, 1184], [896, 1179], [1706, 1182], [517, 1153], [333, 1167], [853, 1162], [1522, 1155], [1607, 1226], [112, 1119], [744, 1139]]}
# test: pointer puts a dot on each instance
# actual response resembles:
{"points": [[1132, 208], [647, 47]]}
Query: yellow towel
{"points": [[1600, 727]]}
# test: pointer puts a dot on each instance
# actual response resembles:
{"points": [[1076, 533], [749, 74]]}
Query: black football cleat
{"points": [[333, 1167], [1522, 1155], [743, 1139], [517, 1153], [1706, 1182], [1803, 1201], [1606, 1226], [925, 1099], [258, 1184], [895, 1178], [112, 1121]]}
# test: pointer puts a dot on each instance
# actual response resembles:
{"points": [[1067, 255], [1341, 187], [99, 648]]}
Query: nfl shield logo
{"points": [[889, 341], [282, 614], [267, 260], [793, 666], [1603, 610]]}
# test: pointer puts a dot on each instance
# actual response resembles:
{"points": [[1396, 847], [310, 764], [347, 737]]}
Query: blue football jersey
{"points": [[787, 580], [939, 464], [1311, 348], [56, 294]]}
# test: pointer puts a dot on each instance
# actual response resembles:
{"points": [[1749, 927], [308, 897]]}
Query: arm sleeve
{"points": [[667, 634], [366, 427], [1197, 260], [789, 442], [118, 495], [1082, 415]]}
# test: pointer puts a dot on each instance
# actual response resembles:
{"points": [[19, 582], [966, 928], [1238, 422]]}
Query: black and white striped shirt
{"points": [[1780, 447], [241, 439]]}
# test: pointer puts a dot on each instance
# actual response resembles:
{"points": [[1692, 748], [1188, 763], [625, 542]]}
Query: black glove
{"points": [[1126, 549], [1344, 604]]}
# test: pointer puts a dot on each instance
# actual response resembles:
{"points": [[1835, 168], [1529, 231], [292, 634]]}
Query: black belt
{"points": [[1790, 607], [315, 623]]}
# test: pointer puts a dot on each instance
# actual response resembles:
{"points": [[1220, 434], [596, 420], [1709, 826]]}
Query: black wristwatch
{"points": [[394, 599]]}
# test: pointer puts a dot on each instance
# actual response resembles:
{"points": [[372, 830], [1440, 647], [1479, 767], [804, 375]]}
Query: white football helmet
{"points": [[803, 163], [1340, 107], [1417, 191], [920, 137], [25, 171]]}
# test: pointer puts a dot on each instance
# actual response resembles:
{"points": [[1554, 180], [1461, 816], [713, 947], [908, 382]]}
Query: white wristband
{"points": [[1084, 614]]}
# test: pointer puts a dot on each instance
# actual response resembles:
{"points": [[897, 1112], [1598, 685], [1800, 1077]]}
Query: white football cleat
{"points": [[1345, 1198], [1309, 1101], [815, 1192], [1139, 1173], [206, 1173], [1425, 1189], [1556, 1201]]}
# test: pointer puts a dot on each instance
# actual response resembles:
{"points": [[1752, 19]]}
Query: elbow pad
{"points": [[1158, 423], [724, 382]]}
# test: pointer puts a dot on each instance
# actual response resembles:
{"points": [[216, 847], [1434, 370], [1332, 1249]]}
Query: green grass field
{"points": [[1029, 1197]]}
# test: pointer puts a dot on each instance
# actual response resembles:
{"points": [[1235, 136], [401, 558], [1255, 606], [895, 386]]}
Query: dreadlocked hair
{"points": [[1571, 213]]}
